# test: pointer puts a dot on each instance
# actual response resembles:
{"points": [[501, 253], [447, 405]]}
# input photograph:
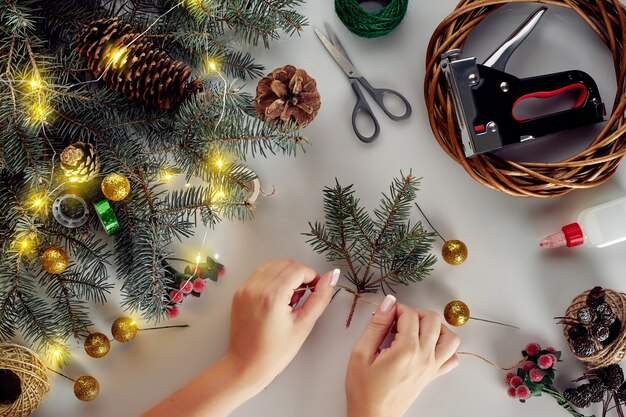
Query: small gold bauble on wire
{"points": [[454, 252], [86, 388], [457, 314], [115, 186], [124, 329], [54, 260], [97, 345]]}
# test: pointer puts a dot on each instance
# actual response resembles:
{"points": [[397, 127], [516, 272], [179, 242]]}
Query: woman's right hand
{"points": [[384, 383]]}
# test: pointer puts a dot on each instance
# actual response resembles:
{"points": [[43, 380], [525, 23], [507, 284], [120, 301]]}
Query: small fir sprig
{"points": [[535, 376]]}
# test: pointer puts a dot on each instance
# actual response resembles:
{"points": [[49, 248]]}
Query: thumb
{"points": [[377, 329], [320, 297]]}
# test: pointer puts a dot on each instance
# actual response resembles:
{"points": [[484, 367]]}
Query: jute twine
{"points": [[371, 25], [591, 167], [33, 377], [606, 355]]}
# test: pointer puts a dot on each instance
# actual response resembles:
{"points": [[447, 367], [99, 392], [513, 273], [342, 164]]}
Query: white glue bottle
{"points": [[598, 226]]}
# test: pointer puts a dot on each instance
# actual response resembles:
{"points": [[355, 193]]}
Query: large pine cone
{"points": [[141, 71], [288, 94], [80, 162]]}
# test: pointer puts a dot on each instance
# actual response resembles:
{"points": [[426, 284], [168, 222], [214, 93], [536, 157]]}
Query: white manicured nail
{"points": [[387, 304], [334, 278]]}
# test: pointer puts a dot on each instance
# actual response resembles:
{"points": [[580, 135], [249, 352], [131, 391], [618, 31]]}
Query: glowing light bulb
{"points": [[220, 164], [133, 323], [35, 83], [39, 112], [117, 57], [188, 185], [167, 175], [56, 353], [217, 256], [198, 258], [38, 202], [221, 195], [24, 244]]}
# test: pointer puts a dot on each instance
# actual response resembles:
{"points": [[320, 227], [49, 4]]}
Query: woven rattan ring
{"points": [[590, 168], [23, 380], [605, 355]]}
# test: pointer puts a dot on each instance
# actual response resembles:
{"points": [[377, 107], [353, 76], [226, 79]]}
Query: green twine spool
{"points": [[371, 25]]}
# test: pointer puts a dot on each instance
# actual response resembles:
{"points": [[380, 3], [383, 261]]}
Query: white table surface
{"points": [[507, 276]]}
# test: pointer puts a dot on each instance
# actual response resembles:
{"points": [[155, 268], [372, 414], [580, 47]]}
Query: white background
{"points": [[507, 276]]}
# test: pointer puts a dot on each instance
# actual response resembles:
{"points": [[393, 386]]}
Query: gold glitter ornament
{"points": [[54, 260], [86, 388], [115, 186], [456, 313], [454, 252], [124, 329], [97, 345]]}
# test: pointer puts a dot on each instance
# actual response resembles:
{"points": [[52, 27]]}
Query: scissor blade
{"points": [[336, 42], [339, 58]]}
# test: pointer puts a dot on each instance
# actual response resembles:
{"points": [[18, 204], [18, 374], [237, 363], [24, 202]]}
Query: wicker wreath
{"points": [[24, 379], [592, 167], [605, 355]]}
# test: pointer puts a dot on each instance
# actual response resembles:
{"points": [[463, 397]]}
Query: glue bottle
{"points": [[598, 226]]}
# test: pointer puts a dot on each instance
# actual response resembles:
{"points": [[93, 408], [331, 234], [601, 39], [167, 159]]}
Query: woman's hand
{"points": [[386, 382], [266, 331]]}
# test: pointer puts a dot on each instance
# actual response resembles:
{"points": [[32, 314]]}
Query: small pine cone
{"points": [[287, 94], [584, 347], [604, 309], [596, 390], [577, 331], [80, 162], [596, 297], [577, 397], [621, 392], [140, 71], [612, 376], [607, 319], [586, 315], [599, 332], [614, 332]]}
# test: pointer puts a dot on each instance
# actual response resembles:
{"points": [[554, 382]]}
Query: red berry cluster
{"points": [[194, 286], [533, 374]]}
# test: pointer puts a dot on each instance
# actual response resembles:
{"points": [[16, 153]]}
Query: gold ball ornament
{"points": [[456, 313], [97, 345], [124, 329], [115, 186], [86, 388], [454, 252], [54, 260]]}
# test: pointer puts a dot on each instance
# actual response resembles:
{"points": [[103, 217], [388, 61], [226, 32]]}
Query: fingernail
{"points": [[387, 304], [334, 278]]}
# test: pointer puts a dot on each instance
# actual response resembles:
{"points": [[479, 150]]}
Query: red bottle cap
{"points": [[573, 235]]}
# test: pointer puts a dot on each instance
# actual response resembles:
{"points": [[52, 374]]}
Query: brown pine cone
{"points": [[287, 94], [612, 376]]}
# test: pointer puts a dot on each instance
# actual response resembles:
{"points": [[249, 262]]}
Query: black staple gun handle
{"points": [[587, 109]]}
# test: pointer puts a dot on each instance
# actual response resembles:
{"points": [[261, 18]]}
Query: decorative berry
{"points": [[577, 332], [545, 362], [612, 376], [527, 365], [507, 380], [535, 375], [172, 312], [198, 285], [516, 381], [522, 392], [586, 315], [600, 333], [533, 349], [577, 397], [186, 287], [550, 349], [221, 272], [584, 347], [176, 296], [604, 309], [512, 393], [596, 297]]}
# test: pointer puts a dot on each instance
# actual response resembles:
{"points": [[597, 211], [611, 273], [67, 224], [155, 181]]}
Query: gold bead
{"points": [[115, 186], [86, 388], [97, 345], [124, 329], [454, 252], [456, 313], [54, 260]]}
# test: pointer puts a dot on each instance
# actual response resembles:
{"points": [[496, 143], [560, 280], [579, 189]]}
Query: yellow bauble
{"points": [[456, 313], [115, 186], [54, 260], [124, 329], [86, 388], [454, 252], [97, 345]]}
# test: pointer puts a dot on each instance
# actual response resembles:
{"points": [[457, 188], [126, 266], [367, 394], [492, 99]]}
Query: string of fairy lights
{"points": [[37, 91]]}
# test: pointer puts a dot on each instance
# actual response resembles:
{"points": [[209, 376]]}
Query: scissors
{"points": [[340, 55]]}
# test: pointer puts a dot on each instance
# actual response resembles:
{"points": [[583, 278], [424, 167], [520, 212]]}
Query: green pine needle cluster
{"points": [[49, 100], [379, 251]]}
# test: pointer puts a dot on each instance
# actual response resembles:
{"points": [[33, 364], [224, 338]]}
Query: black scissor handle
{"points": [[378, 94], [361, 106]]}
